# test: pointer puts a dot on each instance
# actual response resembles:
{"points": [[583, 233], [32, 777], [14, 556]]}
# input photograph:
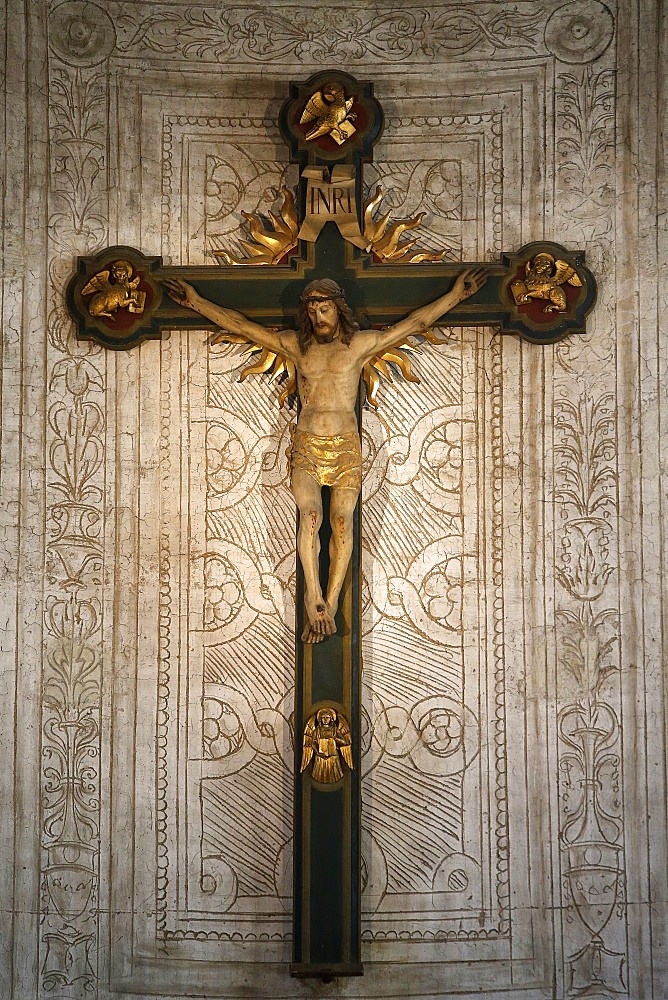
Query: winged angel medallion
{"points": [[326, 739], [543, 279], [122, 294]]}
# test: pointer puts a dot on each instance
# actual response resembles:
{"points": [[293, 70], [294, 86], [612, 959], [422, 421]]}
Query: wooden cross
{"points": [[540, 292]]}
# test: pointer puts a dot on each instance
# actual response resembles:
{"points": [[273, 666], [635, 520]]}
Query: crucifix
{"points": [[329, 296]]}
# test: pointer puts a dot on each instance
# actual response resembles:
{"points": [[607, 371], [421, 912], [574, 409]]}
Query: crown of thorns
{"points": [[315, 296]]}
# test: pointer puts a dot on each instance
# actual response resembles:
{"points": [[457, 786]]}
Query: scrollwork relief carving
{"points": [[322, 36], [586, 490], [249, 184], [78, 196], [438, 734], [414, 464], [78, 212], [586, 183], [591, 821], [586, 122], [586, 485]]}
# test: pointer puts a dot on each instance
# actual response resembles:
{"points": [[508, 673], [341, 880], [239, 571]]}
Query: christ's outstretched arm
{"points": [[230, 320], [468, 283]]}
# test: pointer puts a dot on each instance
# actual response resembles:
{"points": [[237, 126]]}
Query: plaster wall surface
{"points": [[514, 766]]}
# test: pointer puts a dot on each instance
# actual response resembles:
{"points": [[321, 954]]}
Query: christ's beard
{"points": [[325, 333]]}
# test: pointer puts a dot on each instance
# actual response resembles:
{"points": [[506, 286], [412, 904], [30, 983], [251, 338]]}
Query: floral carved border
{"points": [[589, 698], [71, 686], [589, 717], [255, 34]]}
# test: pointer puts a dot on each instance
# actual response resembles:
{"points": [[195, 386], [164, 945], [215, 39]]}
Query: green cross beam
{"points": [[121, 313], [378, 294]]}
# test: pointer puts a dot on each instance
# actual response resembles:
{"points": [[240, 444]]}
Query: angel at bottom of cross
{"points": [[324, 360], [326, 738]]}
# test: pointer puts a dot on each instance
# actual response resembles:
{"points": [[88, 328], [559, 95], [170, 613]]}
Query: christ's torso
{"points": [[327, 380]]}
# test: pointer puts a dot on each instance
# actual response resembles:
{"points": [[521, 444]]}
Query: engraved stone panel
{"points": [[514, 823]]}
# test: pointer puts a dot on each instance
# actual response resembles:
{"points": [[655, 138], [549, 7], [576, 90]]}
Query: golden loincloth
{"points": [[332, 460]]}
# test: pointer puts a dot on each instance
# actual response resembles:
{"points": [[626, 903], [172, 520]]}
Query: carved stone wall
{"points": [[514, 820]]}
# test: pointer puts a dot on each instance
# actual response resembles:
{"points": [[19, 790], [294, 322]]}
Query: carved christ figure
{"points": [[329, 352]]}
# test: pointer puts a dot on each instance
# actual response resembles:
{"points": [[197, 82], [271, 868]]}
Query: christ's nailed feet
{"points": [[321, 621], [308, 635]]}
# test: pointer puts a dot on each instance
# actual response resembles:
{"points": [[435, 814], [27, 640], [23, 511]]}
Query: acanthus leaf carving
{"points": [[70, 825], [328, 36], [586, 126], [591, 820]]}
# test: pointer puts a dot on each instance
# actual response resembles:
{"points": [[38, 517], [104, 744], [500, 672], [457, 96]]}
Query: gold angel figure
{"points": [[329, 111], [327, 738], [124, 294], [543, 278]]}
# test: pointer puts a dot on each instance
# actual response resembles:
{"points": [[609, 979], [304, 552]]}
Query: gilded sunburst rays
{"points": [[270, 245], [383, 237], [264, 362], [378, 369]]}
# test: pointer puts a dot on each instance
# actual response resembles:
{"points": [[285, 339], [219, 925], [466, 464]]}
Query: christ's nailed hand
{"points": [[181, 292], [469, 282]]}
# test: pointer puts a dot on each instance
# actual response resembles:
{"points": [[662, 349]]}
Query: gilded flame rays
{"points": [[279, 368], [384, 238], [269, 247], [274, 364]]}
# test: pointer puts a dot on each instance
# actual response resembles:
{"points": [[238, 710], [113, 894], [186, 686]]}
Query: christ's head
{"points": [[324, 315]]}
